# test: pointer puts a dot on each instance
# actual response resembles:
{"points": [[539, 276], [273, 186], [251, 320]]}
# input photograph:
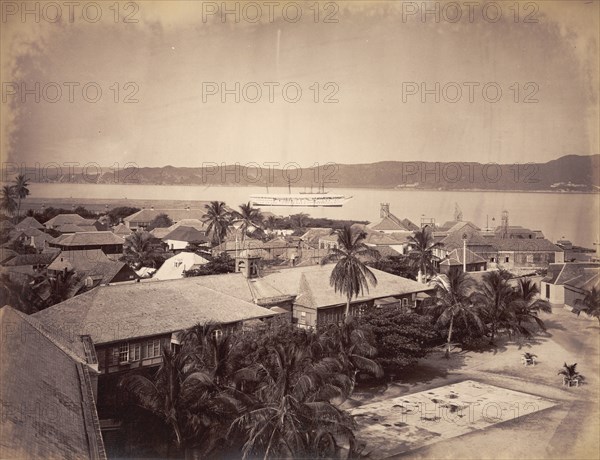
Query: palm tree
{"points": [[293, 416], [8, 201], [249, 219], [21, 191], [218, 219], [19, 294], [139, 251], [454, 303], [421, 253], [63, 286], [162, 396], [351, 276], [271, 222], [499, 301], [348, 343], [212, 350], [528, 306], [570, 374], [590, 304]]}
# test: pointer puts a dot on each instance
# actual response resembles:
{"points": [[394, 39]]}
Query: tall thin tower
{"points": [[505, 224]]}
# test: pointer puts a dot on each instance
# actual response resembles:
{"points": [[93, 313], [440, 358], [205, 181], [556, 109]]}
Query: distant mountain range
{"points": [[568, 173]]}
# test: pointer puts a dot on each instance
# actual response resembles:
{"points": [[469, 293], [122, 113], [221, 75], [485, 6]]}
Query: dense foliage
{"points": [[220, 264], [400, 337], [160, 221], [396, 265], [271, 392]]}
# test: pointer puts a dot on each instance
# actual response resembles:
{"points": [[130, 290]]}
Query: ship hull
{"points": [[300, 200]]}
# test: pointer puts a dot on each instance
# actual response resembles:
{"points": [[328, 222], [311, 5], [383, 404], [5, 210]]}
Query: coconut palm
{"points": [[248, 219], [499, 301], [19, 294], [187, 399], [351, 276], [590, 304], [211, 350], [218, 219], [8, 200], [570, 374], [348, 343], [271, 222], [421, 254], [454, 303], [528, 306], [293, 416], [63, 286], [138, 250], [21, 191]]}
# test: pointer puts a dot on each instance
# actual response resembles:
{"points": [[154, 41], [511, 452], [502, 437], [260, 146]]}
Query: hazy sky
{"points": [[372, 57]]}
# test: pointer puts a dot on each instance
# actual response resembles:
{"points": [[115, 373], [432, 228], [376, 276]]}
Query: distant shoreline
{"points": [[283, 187]]}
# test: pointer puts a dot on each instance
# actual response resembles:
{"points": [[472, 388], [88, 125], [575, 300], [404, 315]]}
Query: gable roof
{"points": [[389, 223], [184, 233], [173, 267], [127, 311], [560, 273], [121, 230], [75, 228], [586, 281], [79, 260], [6, 253], [455, 241], [29, 222], [396, 238], [40, 373], [455, 258], [148, 215], [410, 225], [30, 259], [88, 239], [312, 235], [387, 251], [63, 219], [323, 295]]}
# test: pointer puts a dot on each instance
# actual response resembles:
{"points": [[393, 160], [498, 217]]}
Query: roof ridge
{"points": [[48, 333]]}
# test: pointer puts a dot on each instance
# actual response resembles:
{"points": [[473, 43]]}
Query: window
{"points": [[529, 258], [302, 317], [405, 302], [547, 291], [113, 357], [217, 333], [506, 259], [153, 348], [492, 259], [135, 352], [124, 353]]}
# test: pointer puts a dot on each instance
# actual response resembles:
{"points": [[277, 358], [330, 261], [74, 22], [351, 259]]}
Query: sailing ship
{"points": [[321, 198]]}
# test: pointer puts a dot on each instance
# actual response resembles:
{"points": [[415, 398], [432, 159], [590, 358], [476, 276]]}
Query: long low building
{"points": [[48, 392]]}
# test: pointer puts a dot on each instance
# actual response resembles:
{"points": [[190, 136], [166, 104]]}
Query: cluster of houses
{"points": [[121, 325]]}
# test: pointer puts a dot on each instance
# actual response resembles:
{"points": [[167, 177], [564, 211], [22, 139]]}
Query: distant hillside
{"points": [[568, 173]]}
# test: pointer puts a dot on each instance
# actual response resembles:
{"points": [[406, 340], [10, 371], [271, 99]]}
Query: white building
{"points": [[174, 267]]}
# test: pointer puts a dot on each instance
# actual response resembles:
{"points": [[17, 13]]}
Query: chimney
{"points": [[384, 210]]}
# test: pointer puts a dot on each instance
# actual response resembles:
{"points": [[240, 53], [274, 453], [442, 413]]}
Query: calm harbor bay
{"points": [[570, 215]]}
